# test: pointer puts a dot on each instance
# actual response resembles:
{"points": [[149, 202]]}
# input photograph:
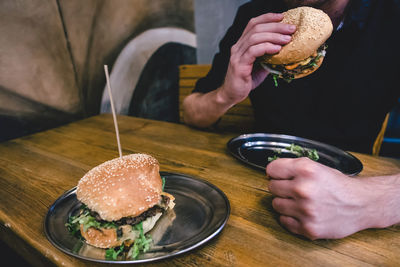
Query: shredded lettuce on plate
{"points": [[113, 253], [141, 244], [298, 151]]}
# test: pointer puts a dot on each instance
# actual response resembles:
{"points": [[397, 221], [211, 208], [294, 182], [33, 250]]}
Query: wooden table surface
{"points": [[35, 170]]}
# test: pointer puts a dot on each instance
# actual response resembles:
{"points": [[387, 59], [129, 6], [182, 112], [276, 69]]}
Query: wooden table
{"points": [[35, 170]]}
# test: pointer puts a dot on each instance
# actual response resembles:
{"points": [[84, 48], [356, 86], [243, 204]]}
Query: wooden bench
{"points": [[240, 118]]}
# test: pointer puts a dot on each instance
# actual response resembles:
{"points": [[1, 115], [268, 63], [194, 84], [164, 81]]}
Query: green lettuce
{"points": [[298, 151]]}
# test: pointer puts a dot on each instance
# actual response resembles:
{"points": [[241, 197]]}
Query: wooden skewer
{"points": [[113, 109]]}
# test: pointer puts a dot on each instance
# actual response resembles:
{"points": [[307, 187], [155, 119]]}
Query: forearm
{"points": [[384, 200], [203, 110]]}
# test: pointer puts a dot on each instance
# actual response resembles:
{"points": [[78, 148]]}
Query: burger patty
{"points": [[289, 73], [135, 220], [160, 207]]}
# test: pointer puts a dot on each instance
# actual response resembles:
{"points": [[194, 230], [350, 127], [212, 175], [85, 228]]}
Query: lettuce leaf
{"points": [[299, 152], [141, 244]]}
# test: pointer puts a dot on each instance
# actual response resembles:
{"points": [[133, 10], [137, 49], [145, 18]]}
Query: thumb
{"points": [[259, 74]]}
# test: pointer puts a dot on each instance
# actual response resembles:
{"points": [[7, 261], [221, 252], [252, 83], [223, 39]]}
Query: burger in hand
{"points": [[305, 52], [122, 199]]}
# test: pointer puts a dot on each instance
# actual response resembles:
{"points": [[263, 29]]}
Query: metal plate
{"points": [[254, 150], [200, 213]]}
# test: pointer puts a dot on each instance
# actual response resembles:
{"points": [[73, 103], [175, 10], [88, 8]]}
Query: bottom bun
{"points": [[101, 238], [107, 238]]}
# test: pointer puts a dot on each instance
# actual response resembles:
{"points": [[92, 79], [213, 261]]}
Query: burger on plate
{"points": [[305, 52], [122, 199]]}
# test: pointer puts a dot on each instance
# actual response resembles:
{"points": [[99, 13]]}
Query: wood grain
{"points": [[35, 170]]}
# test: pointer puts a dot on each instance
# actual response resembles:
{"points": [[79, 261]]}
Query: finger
{"points": [[268, 37], [287, 207], [264, 18], [277, 33], [291, 223], [264, 37], [283, 168], [276, 27], [280, 188], [259, 50]]}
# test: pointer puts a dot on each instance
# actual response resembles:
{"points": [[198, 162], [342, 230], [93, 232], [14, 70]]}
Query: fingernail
{"points": [[292, 27], [277, 15], [286, 38]]}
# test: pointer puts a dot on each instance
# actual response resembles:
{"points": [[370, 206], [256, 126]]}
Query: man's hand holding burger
{"points": [[290, 45], [263, 35]]}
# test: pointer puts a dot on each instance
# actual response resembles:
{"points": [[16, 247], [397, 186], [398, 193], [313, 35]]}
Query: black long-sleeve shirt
{"points": [[345, 101]]}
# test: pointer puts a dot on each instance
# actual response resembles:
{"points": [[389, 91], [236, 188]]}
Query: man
{"points": [[343, 103]]}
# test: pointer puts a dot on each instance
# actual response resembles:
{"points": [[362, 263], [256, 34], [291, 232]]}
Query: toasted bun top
{"points": [[121, 187], [313, 28]]}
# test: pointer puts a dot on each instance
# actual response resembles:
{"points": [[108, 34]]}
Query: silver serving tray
{"points": [[254, 150], [200, 213]]}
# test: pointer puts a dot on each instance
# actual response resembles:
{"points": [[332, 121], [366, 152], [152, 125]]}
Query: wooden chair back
{"points": [[379, 139]]}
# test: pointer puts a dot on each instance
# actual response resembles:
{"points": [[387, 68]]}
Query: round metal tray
{"points": [[200, 213], [254, 150]]}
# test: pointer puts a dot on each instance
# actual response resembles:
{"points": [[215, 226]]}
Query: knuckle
{"points": [[253, 39], [234, 49], [252, 22], [306, 167], [312, 231], [234, 60], [309, 211], [303, 190], [268, 46], [258, 28], [252, 50]]}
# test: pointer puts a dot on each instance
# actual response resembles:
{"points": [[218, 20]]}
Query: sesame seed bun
{"points": [[121, 187], [313, 28]]}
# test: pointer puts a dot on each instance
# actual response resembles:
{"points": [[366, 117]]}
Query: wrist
{"points": [[382, 202], [223, 99]]}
